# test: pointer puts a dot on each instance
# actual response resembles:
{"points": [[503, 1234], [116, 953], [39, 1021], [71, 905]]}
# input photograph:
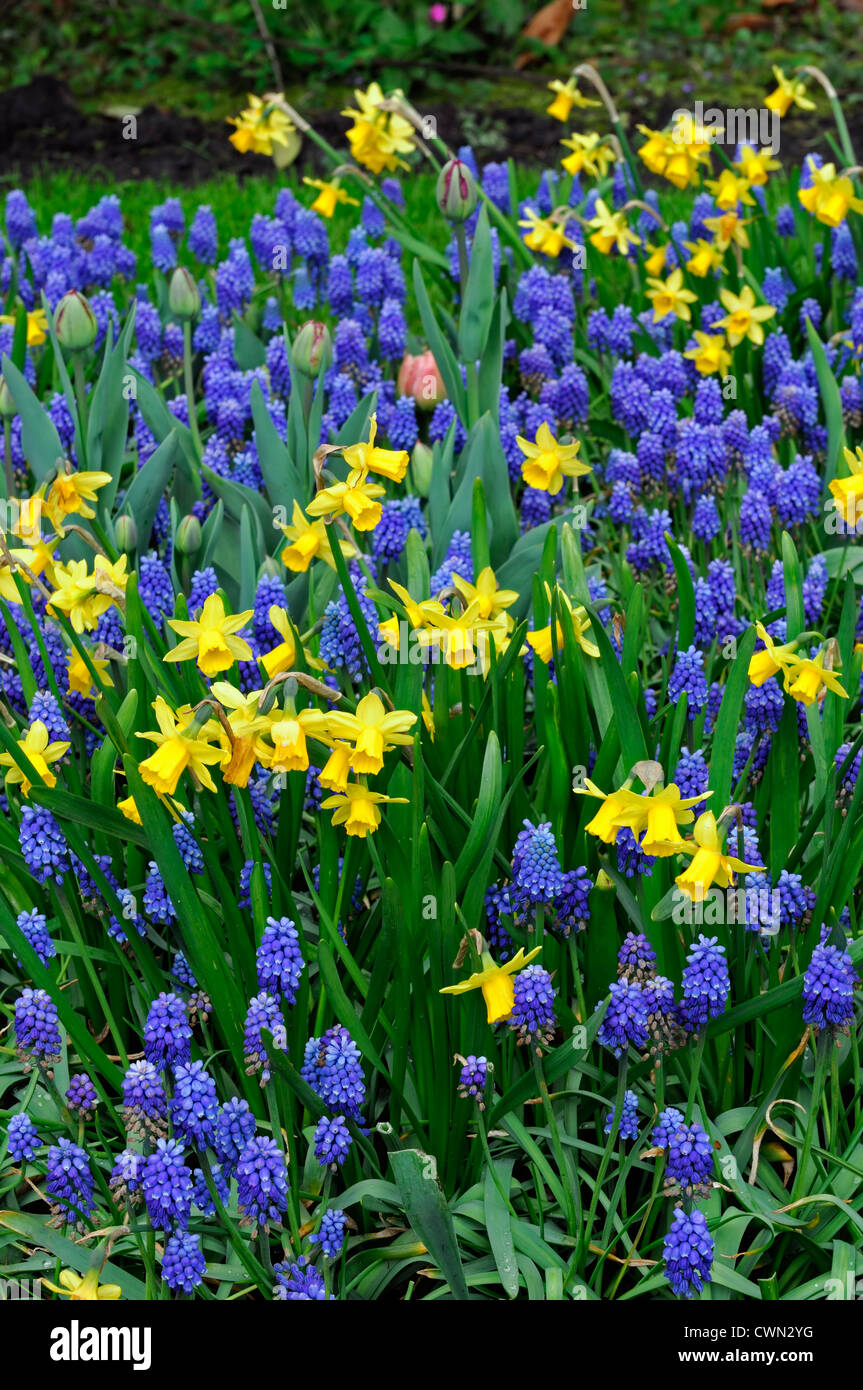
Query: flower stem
{"points": [[188, 384]]}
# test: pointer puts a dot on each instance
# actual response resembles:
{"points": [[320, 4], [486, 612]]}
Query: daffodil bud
{"points": [[8, 408], [421, 467], [125, 533], [188, 538], [456, 191], [313, 348], [75, 322], [184, 297]]}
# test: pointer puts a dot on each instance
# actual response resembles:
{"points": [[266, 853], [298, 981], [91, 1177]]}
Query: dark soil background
{"points": [[42, 129]]}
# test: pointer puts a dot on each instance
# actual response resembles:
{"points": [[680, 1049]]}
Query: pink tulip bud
{"points": [[419, 377], [437, 14]]}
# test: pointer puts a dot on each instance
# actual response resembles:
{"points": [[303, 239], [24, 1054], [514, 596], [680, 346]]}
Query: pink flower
{"points": [[437, 14], [419, 377]]}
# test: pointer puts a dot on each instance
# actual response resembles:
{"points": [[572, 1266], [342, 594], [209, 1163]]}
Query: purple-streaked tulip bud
{"points": [[75, 322], [456, 191]]}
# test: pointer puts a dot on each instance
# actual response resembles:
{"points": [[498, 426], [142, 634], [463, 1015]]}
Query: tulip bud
{"points": [[8, 408], [270, 568], [184, 297], [313, 348], [456, 191], [126, 533], [421, 468], [75, 322], [188, 538], [420, 379]]}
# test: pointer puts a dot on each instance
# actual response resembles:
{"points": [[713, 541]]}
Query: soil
{"points": [[42, 129]]}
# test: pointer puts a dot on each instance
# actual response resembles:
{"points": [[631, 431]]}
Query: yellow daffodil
{"points": [[771, 661], [37, 326], [674, 157], [566, 97], [129, 809], [210, 639], [177, 748], [654, 261], [710, 864], [744, 317], [492, 600], [830, 196], [367, 458], [704, 259], [610, 230], [360, 502], [418, 614], [458, 636], [371, 730], [288, 735], [541, 234], [755, 165], [247, 726], [333, 776], [36, 746], [36, 561], [589, 153], [610, 819], [282, 657], [729, 190], [357, 808], [787, 92], [547, 462], [330, 196], [80, 679], [261, 126], [728, 228], [377, 137], [806, 679], [710, 353], [659, 816], [579, 622], [670, 297], [848, 492], [84, 1288], [307, 541], [70, 493], [496, 983]]}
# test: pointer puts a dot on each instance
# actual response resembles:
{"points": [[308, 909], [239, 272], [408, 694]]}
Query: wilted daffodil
{"points": [[744, 317], [588, 153], [357, 808], [366, 457], [806, 678], [848, 492], [330, 195], [261, 126], [496, 983], [37, 747], [178, 746], [670, 297], [210, 639], [307, 541], [566, 96], [84, 1288], [830, 196], [541, 234], [710, 353], [610, 231], [547, 462], [787, 93], [710, 864], [371, 730]]}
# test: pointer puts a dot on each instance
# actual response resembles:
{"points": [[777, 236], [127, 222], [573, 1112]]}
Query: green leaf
{"points": [[440, 348], [427, 1211], [40, 441], [476, 310], [148, 487], [725, 733], [70, 1253]]}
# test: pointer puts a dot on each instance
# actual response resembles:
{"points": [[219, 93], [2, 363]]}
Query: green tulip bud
{"points": [[456, 191], [313, 348], [188, 538], [75, 322], [126, 533], [422, 459], [8, 408], [184, 297]]}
